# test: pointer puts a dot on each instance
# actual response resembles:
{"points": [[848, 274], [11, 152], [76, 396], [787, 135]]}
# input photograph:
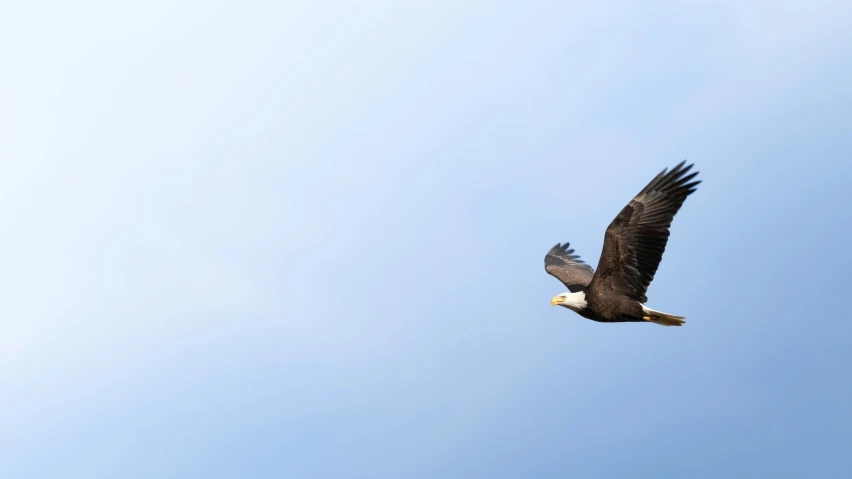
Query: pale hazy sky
{"points": [[305, 239]]}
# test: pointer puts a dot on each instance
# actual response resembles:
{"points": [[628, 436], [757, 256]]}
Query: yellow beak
{"points": [[555, 301]]}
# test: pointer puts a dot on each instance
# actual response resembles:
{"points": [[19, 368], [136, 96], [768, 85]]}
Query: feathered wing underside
{"points": [[562, 263], [636, 239]]}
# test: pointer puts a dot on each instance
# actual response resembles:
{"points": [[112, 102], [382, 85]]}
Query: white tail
{"points": [[661, 318]]}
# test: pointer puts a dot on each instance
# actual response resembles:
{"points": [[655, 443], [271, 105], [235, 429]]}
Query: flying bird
{"points": [[633, 247]]}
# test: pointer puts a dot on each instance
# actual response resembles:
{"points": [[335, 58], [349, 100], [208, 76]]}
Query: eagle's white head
{"points": [[574, 301]]}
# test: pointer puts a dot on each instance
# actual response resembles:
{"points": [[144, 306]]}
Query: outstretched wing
{"points": [[637, 237], [567, 267]]}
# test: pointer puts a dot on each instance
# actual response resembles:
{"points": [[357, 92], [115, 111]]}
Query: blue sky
{"points": [[305, 239]]}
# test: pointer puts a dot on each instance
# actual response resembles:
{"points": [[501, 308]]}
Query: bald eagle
{"points": [[632, 250]]}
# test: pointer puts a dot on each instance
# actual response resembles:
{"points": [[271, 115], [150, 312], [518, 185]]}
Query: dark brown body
{"points": [[607, 308]]}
